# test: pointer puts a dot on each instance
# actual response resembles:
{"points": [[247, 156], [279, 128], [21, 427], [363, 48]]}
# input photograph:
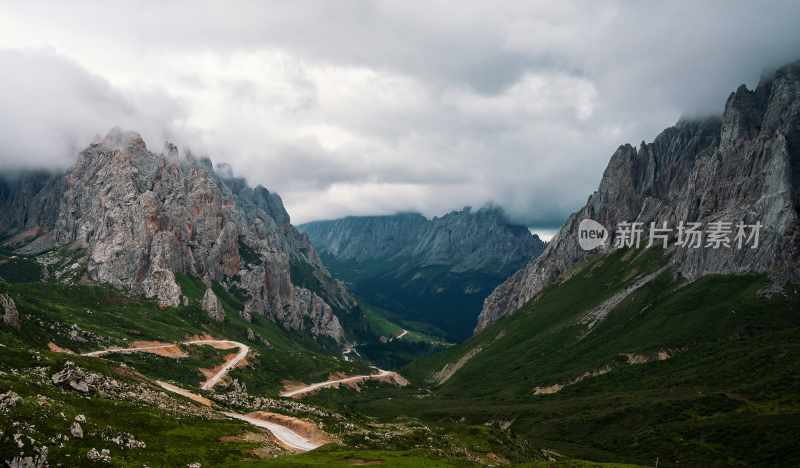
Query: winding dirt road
{"points": [[334, 383], [288, 437], [213, 379]]}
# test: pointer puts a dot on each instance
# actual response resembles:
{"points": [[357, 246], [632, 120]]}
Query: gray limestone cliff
{"points": [[742, 167], [134, 219]]}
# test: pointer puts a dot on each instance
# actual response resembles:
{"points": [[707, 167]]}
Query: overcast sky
{"points": [[356, 107]]}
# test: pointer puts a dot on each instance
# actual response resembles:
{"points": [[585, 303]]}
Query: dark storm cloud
{"points": [[370, 107]]}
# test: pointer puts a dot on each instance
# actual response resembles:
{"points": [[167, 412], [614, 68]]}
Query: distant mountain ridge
{"points": [[137, 220], [436, 271]]}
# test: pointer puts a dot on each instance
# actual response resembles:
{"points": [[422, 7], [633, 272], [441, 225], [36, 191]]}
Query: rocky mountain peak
{"points": [[743, 166], [119, 139], [136, 220]]}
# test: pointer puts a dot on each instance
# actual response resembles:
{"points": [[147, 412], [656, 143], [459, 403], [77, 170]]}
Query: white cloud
{"points": [[52, 108], [374, 107]]}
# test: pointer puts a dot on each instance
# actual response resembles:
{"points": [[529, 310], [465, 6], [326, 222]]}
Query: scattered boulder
{"points": [[103, 456], [10, 316], [212, 306], [72, 377], [247, 313], [36, 461], [76, 430], [254, 337], [124, 440], [9, 400]]}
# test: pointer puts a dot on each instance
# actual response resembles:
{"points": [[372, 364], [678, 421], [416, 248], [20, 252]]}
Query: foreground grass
{"points": [[46, 413], [338, 456]]}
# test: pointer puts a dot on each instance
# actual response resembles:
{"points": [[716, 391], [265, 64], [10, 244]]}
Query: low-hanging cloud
{"points": [[374, 107], [52, 108]]}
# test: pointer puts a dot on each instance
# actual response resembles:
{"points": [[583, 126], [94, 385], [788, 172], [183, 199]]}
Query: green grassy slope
{"points": [[87, 318], [729, 394], [381, 345], [168, 430], [47, 412]]}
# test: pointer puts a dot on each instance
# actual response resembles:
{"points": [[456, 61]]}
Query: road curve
{"points": [[211, 381], [115, 350], [285, 435], [333, 383], [214, 379]]}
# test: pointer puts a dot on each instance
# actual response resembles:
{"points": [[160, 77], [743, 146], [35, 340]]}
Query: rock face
{"points": [[437, 271], [741, 167], [137, 220], [9, 312], [212, 306]]}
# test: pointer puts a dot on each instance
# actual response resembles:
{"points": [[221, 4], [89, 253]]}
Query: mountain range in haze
{"points": [[436, 271]]}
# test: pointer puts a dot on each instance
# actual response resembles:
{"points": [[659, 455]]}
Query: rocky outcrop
{"points": [[72, 377], [136, 220], [437, 271], [741, 167], [8, 310], [212, 306], [76, 430]]}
